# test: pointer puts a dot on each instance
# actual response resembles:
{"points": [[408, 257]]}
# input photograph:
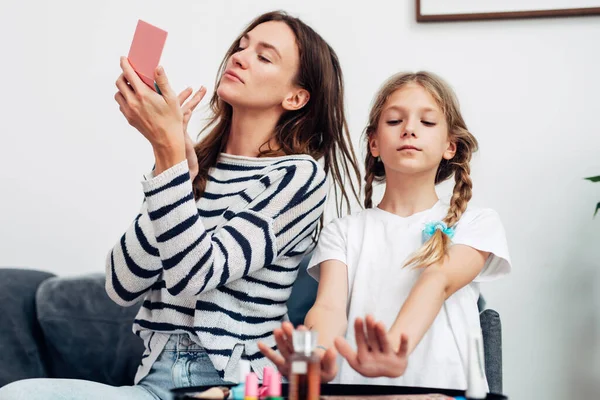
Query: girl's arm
{"points": [[327, 316], [437, 283], [381, 354]]}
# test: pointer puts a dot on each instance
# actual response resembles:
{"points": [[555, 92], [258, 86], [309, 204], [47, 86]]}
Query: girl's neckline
{"points": [[418, 214]]}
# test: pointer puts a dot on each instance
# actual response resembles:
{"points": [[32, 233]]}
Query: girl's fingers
{"points": [[371, 335], [282, 344], [361, 340], [403, 350], [272, 355], [382, 338], [345, 350]]}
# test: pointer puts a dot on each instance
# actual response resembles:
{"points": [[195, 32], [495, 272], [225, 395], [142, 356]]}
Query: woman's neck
{"points": [[406, 195], [251, 129]]}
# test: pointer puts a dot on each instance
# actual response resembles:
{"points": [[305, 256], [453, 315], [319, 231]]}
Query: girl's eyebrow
{"points": [[400, 108]]}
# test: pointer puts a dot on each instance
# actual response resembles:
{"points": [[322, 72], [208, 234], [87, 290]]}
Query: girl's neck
{"points": [[251, 129], [406, 195]]}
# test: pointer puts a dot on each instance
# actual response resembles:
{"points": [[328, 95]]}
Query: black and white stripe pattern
{"points": [[221, 268]]}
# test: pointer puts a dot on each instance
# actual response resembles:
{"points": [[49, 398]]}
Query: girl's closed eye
{"points": [[427, 123], [393, 122]]}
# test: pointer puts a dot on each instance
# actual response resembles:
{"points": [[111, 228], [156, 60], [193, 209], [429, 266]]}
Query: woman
{"points": [[225, 223]]}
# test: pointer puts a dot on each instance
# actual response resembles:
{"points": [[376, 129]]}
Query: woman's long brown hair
{"points": [[318, 129]]}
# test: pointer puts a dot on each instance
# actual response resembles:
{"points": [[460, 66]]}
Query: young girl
{"points": [[216, 247], [413, 262]]}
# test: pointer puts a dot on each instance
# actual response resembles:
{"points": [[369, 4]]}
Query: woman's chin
{"points": [[229, 95], [224, 93]]}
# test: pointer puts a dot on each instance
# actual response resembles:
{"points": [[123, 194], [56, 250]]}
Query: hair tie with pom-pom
{"points": [[431, 227]]}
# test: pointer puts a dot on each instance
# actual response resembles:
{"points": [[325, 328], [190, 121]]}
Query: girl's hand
{"points": [[283, 338], [376, 355], [158, 117], [187, 108]]}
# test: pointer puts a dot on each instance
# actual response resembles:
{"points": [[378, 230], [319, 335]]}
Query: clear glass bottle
{"points": [[305, 375]]}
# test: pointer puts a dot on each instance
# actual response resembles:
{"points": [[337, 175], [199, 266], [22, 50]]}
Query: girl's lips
{"points": [[407, 147]]}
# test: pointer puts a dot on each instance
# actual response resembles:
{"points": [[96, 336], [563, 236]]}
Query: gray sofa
{"points": [[69, 328]]}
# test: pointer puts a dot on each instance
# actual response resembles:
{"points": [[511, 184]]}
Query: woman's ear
{"points": [[296, 100]]}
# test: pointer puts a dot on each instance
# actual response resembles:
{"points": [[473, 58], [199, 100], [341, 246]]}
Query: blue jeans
{"points": [[181, 364]]}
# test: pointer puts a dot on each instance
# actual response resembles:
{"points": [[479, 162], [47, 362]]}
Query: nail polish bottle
{"points": [[476, 368], [251, 389], [267, 374], [305, 376], [238, 392], [274, 392]]}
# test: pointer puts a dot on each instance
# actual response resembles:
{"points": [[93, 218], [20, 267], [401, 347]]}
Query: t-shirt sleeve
{"points": [[483, 230], [331, 246]]}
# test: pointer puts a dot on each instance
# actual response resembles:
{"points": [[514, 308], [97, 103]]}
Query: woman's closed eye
{"points": [[260, 57]]}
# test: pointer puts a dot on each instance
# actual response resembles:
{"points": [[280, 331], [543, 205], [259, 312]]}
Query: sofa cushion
{"points": [[87, 335], [304, 293], [20, 335]]}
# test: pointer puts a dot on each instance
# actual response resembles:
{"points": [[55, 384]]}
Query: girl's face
{"points": [[260, 74], [412, 133]]}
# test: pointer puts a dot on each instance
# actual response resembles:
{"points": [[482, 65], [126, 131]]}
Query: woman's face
{"points": [[260, 75]]}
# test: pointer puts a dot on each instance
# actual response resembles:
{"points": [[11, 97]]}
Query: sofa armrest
{"points": [[21, 341], [87, 335]]}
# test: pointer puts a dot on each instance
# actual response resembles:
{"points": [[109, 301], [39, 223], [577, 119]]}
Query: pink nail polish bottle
{"points": [[251, 390], [267, 374], [275, 387]]}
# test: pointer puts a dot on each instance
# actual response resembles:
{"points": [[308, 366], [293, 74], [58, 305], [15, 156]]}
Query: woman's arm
{"points": [[273, 214], [133, 264]]}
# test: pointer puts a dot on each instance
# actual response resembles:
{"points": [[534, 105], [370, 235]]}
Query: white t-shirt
{"points": [[374, 244]]}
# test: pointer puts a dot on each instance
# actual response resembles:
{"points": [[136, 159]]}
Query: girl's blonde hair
{"points": [[436, 248]]}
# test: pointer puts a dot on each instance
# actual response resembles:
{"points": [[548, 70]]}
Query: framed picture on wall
{"points": [[469, 10]]}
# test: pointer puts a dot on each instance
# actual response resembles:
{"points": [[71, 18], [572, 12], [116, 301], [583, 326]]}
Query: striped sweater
{"points": [[221, 268]]}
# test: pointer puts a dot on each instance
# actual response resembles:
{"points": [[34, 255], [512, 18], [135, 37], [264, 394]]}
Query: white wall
{"points": [[70, 166]]}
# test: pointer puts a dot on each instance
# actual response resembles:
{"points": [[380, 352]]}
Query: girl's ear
{"points": [[374, 146], [450, 150]]}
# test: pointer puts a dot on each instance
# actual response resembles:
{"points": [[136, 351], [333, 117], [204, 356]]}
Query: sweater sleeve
{"points": [[272, 216], [133, 265]]}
